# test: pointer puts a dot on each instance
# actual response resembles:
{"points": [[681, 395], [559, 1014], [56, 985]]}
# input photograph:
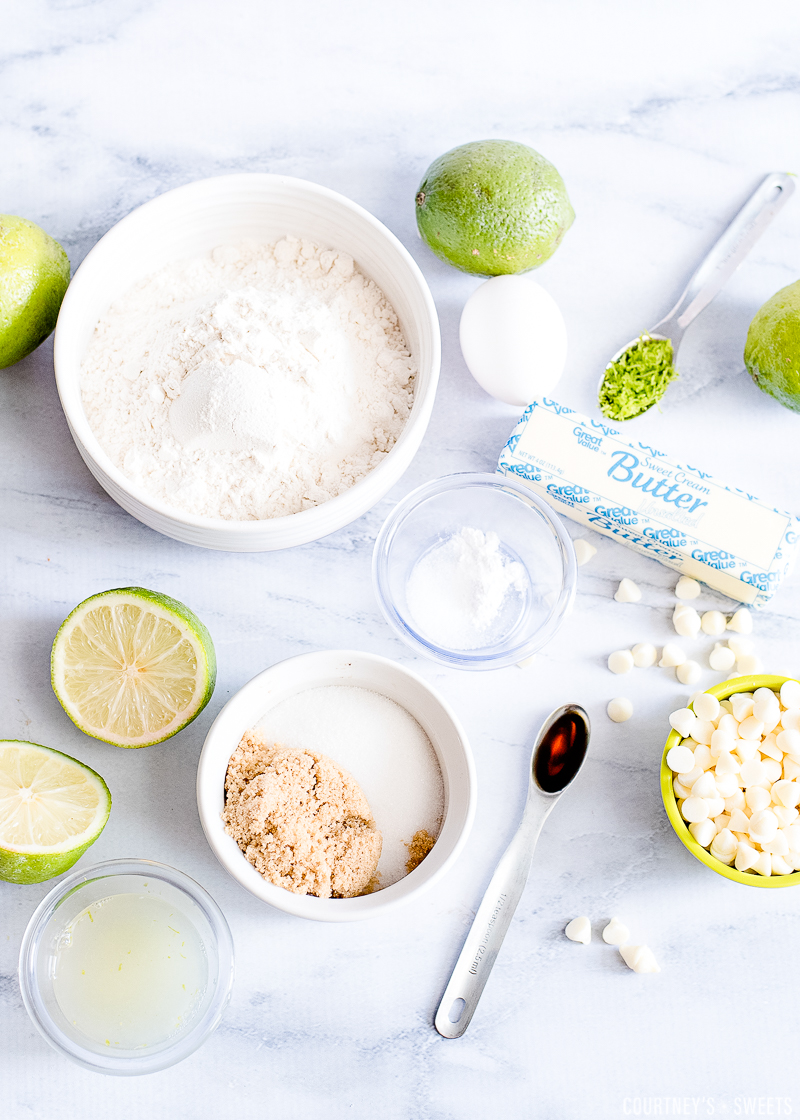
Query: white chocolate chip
{"points": [[689, 672], [687, 588], [644, 655], [671, 655], [621, 661], [639, 958], [696, 809], [721, 659], [680, 760], [686, 621], [742, 703], [706, 706], [713, 623], [763, 825], [763, 864], [741, 622], [684, 722], [789, 743], [757, 798], [746, 856], [620, 709], [790, 719], [627, 592], [703, 832], [790, 694], [616, 933], [781, 866], [579, 929], [583, 551]]}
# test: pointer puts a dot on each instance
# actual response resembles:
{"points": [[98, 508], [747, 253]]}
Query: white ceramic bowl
{"points": [[315, 670], [192, 220]]}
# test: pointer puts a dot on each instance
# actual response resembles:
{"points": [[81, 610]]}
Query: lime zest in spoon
{"points": [[637, 379]]}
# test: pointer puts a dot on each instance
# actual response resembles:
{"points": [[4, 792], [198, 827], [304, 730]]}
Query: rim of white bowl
{"points": [[314, 670], [87, 442]]}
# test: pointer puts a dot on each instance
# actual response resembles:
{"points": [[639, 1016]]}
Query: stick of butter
{"points": [[630, 491]]}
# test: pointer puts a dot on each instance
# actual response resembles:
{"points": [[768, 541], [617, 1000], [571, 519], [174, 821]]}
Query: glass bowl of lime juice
{"points": [[126, 967]]}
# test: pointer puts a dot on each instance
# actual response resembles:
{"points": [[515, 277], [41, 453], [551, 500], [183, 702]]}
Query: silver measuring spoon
{"points": [[718, 266], [558, 753]]}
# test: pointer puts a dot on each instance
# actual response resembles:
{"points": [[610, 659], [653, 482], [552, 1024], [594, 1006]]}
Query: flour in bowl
{"points": [[254, 382]]}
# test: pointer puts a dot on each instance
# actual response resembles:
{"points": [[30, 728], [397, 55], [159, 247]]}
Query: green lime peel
{"points": [[637, 379]]}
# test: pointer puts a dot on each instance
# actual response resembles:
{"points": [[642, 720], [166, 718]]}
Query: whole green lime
{"points": [[493, 207], [34, 274], [772, 350]]}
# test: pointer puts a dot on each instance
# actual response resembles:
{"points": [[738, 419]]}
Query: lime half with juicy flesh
{"points": [[772, 350], [34, 274], [132, 667], [52, 808], [493, 207]]}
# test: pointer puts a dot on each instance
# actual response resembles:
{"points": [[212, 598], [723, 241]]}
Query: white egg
{"points": [[513, 339]]}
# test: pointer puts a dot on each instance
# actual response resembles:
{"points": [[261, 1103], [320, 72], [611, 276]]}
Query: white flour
{"points": [[254, 382]]}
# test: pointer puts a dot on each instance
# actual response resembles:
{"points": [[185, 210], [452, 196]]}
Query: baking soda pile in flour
{"points": [[254, 382]]}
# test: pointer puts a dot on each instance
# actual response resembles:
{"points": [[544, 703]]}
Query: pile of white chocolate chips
{"points": [[736, 774]]}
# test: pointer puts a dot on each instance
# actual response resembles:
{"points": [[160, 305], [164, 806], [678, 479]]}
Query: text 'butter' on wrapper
{"points": [[635, 494]]}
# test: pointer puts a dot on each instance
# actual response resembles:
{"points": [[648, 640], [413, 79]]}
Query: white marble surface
{"points": [[661, 118]]}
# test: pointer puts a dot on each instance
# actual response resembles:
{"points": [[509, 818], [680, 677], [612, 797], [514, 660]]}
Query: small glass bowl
{"points": [[530, 533], [38, 955]]}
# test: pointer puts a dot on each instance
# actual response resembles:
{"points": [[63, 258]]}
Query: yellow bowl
{"points": [[750, 879]]}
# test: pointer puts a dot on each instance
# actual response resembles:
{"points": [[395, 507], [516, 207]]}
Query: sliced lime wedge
{"points": [[52, 808], [132, 667]]}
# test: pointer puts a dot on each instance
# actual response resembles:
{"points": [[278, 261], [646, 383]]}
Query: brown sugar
{"points": [[418, 847], [300, 819]]}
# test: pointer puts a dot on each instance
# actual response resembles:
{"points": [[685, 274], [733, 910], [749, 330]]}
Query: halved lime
{"points": [[52, 808], [132, 667]]}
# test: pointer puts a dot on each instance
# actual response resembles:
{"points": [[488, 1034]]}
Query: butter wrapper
{"points": [[641, 497]]}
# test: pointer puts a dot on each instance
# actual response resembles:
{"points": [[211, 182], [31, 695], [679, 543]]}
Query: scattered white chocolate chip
{"points": [[579, 929], [713, 623], [689, 672], [644, 655], [639, 958], [687, 588], [627, 592], [671, 655], [583, 551], [721, 658], [741, 622], [615, 933], [620, 661], [619, 709], [686, 621]]}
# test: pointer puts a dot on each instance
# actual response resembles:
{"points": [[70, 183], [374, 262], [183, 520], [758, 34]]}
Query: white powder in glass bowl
{"points": [[254, 382]]}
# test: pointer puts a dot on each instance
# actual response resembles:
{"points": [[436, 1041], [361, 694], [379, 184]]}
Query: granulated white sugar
{"points": [[385, 750], [253, 382]]}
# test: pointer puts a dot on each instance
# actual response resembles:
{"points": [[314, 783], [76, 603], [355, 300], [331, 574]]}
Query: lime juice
{"points": [[130, 971]]}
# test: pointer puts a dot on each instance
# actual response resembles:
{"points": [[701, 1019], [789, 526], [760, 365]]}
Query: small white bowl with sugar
{"points": [[251, 706], [193, 220]]}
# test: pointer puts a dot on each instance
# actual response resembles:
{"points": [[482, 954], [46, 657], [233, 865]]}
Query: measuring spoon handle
{"points": [[730, 250], [491, 923]]}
